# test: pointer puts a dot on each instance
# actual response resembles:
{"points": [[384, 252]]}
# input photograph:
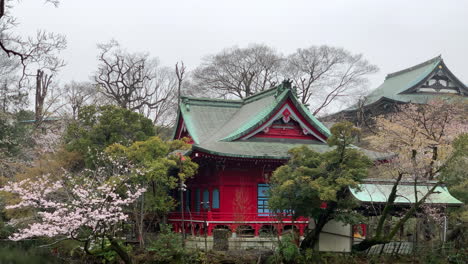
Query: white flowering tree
{"points": [[421, 135], [88, 207]]}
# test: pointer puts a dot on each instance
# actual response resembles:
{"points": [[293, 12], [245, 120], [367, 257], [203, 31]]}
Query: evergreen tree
{"points": [[315, 185]]}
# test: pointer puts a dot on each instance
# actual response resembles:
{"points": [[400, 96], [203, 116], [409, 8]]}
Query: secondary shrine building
{"points": [[418, 84], [238, 144]]}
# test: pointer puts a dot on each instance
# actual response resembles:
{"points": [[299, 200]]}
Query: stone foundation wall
{"points": [[234, 243]]}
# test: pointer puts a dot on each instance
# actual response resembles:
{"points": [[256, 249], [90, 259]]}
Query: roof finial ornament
{"points": [[287, 83]]}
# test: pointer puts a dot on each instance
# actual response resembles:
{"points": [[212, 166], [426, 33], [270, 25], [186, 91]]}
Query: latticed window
{"points": [[206, 199], [262, 199], [197, 200], [215, 199]]}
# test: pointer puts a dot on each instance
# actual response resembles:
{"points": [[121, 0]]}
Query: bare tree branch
{"points": [[324, 74], [136, 82], [238, 72]]}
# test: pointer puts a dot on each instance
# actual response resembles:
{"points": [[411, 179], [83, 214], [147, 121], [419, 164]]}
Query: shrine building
{"points": [[417, 84], [237, 145]]}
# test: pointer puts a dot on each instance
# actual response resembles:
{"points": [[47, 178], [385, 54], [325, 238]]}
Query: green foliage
{"points": [[160, 170], [13, 135], [167, 246], [310, 178], [102, 249], [455, 175], [287, 251], [99, 127], [25, 252]]}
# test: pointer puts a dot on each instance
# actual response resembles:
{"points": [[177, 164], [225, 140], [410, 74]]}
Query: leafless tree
{"points": [[238, 72], [37, 71], [77, 95], [136, 82], [45, 51], [163, 112], [10, 97], [43, 82], [39, 56], [6, 44], [180, 72], [324, 74]]}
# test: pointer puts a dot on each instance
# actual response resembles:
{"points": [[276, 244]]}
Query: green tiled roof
{"points": [[378, 191], [270, 150], [395, 84], [211, 120], [216, 125]]}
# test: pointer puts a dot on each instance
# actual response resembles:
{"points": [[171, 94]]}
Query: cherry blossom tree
{"points": [[421, 136], [88, 207]]}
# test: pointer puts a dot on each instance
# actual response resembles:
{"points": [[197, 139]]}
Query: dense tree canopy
{"points": [[310, 179], [99, 127]]}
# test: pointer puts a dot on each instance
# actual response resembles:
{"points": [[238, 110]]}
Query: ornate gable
{"points": [[287, 122], [440, 82]]}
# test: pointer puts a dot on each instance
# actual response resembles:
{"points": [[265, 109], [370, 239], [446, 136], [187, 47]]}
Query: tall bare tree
{"points": [[77, 95], [324, 74], [7, 40], [10, 97], [238, 72], [45, 57], [180, 73], [135, 81], [39, 52]]}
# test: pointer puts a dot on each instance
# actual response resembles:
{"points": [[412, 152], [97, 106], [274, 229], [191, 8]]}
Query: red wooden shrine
{"points": [[238, 144]]}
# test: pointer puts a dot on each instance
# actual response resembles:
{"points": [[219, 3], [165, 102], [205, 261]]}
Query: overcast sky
{"points": [[391, 34]]}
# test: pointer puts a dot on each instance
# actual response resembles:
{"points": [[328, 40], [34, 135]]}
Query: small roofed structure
{"points": [[377, 191], [373, 195]]}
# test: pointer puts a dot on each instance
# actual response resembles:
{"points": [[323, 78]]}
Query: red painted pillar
{"points": [[301, 229], [256, 229]]}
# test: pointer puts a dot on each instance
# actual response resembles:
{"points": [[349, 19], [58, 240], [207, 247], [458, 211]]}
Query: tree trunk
{"points": [[388, 207], [380, 239], [39, 96], [120, 250], [312, 237]]}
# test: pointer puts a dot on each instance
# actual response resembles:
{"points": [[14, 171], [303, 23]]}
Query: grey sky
{"points": [[391, 34]]}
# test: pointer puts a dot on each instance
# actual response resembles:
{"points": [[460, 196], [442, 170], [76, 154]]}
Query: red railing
{"points": [[232, 217]]}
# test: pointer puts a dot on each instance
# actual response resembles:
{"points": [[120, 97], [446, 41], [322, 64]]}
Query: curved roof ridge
{"points": [[435, 59]]}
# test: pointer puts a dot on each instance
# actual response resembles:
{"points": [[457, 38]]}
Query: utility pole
{"points": [[205, 205], [180, 77], [182, 189]]}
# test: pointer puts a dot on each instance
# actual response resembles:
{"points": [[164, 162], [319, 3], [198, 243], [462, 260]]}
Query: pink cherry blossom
{"points": [[73, 203]]}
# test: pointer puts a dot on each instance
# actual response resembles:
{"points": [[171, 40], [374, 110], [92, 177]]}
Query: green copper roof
{"points": [[396, 85], [211, 120], [377, 191], [217, 125], [270, 150]]}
